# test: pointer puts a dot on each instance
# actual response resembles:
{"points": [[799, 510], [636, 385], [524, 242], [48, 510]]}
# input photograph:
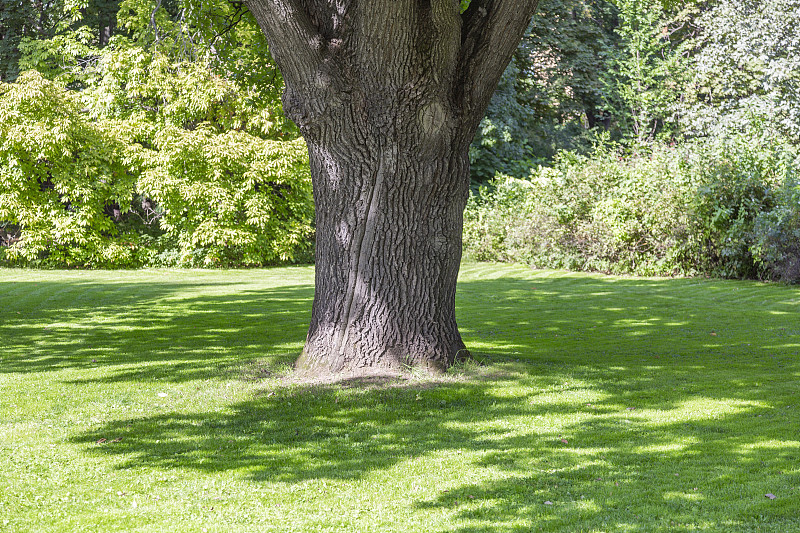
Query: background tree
{"points": [[552, 93], [641, 76], [184, 97], [745, 59], [23, 19]]}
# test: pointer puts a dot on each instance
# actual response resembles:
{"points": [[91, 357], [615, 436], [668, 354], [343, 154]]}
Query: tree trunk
{"points": [[389, 221], [388, 96]]}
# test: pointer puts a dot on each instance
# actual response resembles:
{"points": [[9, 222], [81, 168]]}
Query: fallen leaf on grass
{"points": [[713, 333], [118, 439], [101, 441], [770, 496]]}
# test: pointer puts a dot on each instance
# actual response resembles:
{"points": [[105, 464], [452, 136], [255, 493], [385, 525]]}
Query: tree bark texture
{"points": [[388, 95]]}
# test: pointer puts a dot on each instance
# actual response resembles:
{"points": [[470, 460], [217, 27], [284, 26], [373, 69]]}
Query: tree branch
{"points": [[153, 20], [294, 41], [491, 31], [230, 23]]}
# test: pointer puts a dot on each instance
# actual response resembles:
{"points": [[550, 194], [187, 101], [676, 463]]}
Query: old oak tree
{"points": [[388, 95]]}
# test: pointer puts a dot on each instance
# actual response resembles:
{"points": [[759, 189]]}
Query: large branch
{"points": [[294, 40], [490, 33]]}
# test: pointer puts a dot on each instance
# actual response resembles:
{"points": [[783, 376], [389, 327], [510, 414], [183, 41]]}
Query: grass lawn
{"points": [[155, 401]]}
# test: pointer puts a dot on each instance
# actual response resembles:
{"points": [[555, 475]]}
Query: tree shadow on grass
{"points": [[609, 477], [602, 390], [184, 333], [600, 465], [676, 333]]}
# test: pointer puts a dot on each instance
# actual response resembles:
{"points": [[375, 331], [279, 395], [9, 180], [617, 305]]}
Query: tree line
{"points": [[151, 132], [676, 153], [146, 133]]}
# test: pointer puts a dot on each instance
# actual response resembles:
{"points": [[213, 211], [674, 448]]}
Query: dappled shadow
{"points": [[683, 326], [620, 468], [547, 321], [597, 391], [587, 469], [182, 332]]}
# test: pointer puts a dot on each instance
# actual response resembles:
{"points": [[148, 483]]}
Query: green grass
{"points": [[629, 404]]}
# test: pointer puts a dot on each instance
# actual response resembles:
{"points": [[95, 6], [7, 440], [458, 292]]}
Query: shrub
{"points": [[746, 203], [226, 199], [728, 207], [62, 180], [87, 192], [587, 213]]}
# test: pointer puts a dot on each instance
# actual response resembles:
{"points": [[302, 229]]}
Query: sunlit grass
{"points": [[156, 401]]}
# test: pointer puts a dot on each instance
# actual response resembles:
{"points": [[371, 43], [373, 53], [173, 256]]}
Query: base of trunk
{"points": [[382, 361]]}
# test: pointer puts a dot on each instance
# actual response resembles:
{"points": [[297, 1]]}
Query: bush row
{"points": [[92, 191], [726, 207]]}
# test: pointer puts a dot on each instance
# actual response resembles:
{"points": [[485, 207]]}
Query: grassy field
{"points": [[157, 401]]}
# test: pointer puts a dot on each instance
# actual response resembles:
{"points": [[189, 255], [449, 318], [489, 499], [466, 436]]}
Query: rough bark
{"points": [[388, 96]]}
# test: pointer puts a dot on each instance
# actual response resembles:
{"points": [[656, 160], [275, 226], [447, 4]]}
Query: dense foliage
{"points": [[149, 135], [82, 192], [60, 173], [641, 70], [730, 207], [628, 135], [746, 59], [700, 101], [552, 92]]}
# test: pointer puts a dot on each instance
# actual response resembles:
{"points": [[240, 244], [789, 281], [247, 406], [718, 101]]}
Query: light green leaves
{"points": [[58, 174], [179, 186]]}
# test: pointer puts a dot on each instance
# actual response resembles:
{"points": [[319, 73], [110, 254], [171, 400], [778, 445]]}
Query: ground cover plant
{"points": [[158, 400]]}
